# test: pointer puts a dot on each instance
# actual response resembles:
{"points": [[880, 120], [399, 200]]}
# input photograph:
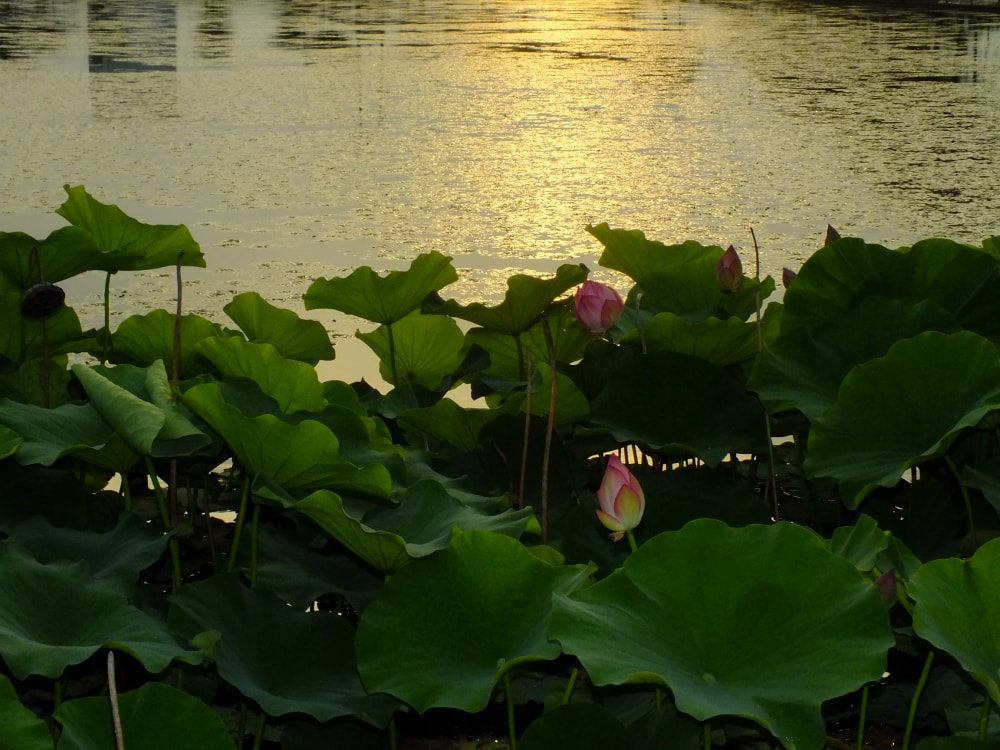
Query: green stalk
{"points": [[392, 354], [549, 426], [527, 434], [126, 491], [706, 736], [568, 692], [631, 540], [258, 735], [116, 717], [106, 342], [921, 683], [238, 531], [254, 535], [161, 501], [984, 718], [864, 716], [767, 418], [510, 711]]}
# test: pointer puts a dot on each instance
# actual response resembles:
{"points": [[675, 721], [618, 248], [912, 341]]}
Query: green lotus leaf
{"points": [[679, 279], [23, 339], [956, 608], [295, 337], [286, 660], [154, 717], [445, 629], [963, 280], [143, 339], [290, 564], [77, 615], [138, 404], [803, 368], [293, 384], [428, 348], [713, 613], [78, 429], [985, 478], [127, 244], [66, 252], [19, 727], [571, 404], [581, 726], [957, 743], [526, 299], [447, 422], [721, 342], [383, 299], [890, 414], [861, 543], [118, 555], [666, 400], [305, 454], [10, 441]]}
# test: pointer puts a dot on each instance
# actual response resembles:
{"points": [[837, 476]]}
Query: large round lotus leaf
{"points": [[956, 608], [803, 368], [383, 299], [444, 629], [666, 400], [903, 408], [721, 342], [66, 252], [19, 727], [154, 717], [733, 621], [53, 616], [295, 337], [427, 348], [581, 726], [143, 339], [287, 660]]}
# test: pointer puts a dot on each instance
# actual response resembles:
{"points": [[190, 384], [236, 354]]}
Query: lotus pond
{"points": [[205, 545]]}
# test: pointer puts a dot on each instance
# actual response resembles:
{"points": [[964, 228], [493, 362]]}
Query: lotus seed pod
{"points": [[42, 301]]}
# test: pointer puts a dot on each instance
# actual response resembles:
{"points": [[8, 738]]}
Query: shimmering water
{"points": [[298, 139]]}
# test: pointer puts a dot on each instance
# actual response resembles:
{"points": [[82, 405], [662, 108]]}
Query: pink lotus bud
{"points": [[729, 271], [598, 307], [787, 277], [621, 499], [886, 585]]}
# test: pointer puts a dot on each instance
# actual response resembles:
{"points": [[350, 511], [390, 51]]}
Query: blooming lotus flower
{"points": [[598, 307], [729, 271], [621, 499]]}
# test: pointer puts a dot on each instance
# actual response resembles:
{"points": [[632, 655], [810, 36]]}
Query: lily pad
{"points": [[154, 717], [957, 610], [445, 629], [77, 616], [288, 661], [712, 613], [890, 414]]}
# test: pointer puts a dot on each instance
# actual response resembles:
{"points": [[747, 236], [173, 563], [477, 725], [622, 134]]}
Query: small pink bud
{"points": [[886, 585], [598, 307], [621, 499], [729, 271], [787, 277]]}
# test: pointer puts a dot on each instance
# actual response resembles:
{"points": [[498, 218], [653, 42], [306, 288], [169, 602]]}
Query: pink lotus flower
{"points": [[621, 499], [729, 271], [598, 307]]}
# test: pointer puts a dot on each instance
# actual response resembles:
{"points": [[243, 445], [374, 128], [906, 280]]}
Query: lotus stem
{"points": [[921, 683], [177, 330], [549, 426], [568, 692], [393, 738], [116, 716], [631, 540], [638, 323], [392, 354], [706, 736], [863, 718], [767, 417], [510, 711], [527, 434], [126, 490], [161, 501], [984, 718], [106, 343], [973, 535], [238, 531], [254, 532], [258, 735]]}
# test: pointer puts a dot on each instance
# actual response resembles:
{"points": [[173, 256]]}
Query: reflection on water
{"points": [[300, 139]]}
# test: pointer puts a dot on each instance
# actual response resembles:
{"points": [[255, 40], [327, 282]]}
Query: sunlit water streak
{"points": [[299, 140]]}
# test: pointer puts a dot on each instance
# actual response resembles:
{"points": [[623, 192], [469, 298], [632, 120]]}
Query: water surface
{"points": [[302, 139]]}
